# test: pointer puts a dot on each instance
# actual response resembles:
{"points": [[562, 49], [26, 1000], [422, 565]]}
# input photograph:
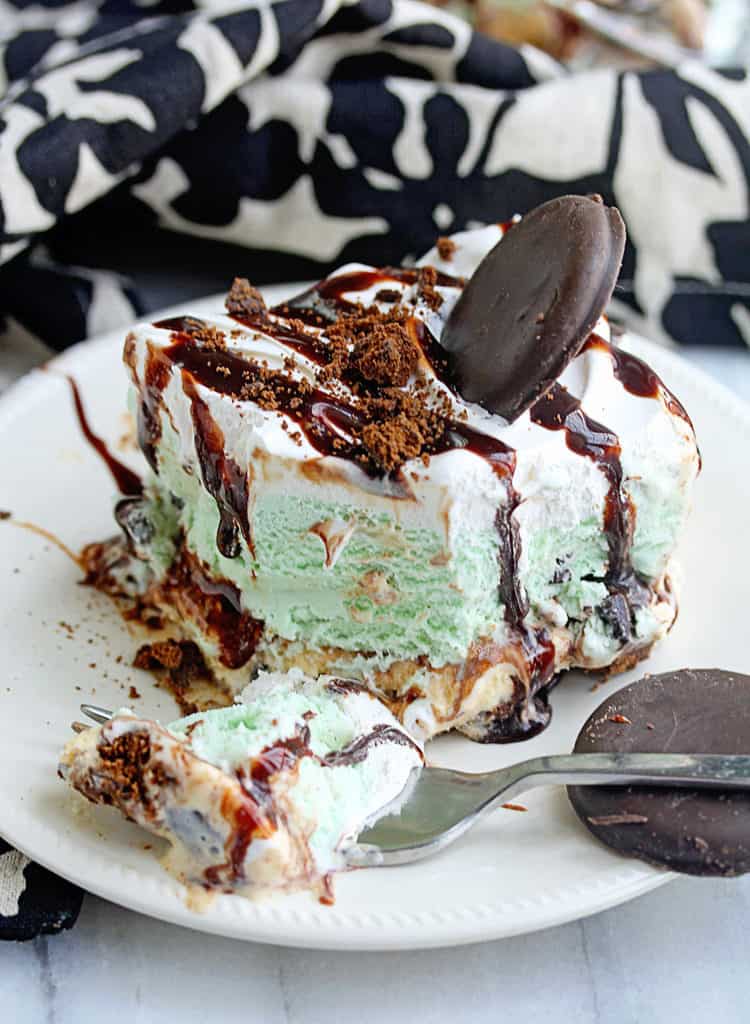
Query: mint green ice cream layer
{"points": [[227, 737], [430, 608]]}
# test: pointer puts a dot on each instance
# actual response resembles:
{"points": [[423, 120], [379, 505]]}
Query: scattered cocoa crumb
{"points": [[426, 281], [211, 338], [4, 514], [245, 300], [165, 654], [393, 442], [446, 247], [619, 819], [271, 389], [386, 355], [182, 679], [133, 694]]}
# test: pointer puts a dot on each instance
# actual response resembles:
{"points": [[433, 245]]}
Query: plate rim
{"points": [[273, 922]]}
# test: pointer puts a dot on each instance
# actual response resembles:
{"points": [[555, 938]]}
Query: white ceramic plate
{"points": [[61, 643]]}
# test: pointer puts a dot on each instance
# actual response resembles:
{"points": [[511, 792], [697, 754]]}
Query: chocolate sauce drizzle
{"points": [[532, 714], [324, 302], [224, 480], [637, 377], [346, 686], [127, 481], [257, 814], [216, 604], [282, 755], [436, 356], [291, 333], [502, 460], [356, 751], [527, 712], [248, 820], [279, 756], [326, 421], [559, 410], [156, 378], [191, 325]]}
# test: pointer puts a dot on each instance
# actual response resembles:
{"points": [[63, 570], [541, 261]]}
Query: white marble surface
{"points": [[678, 954]]}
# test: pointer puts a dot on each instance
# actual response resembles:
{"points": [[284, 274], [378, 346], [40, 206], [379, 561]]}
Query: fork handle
{"points": [[707, 771]]}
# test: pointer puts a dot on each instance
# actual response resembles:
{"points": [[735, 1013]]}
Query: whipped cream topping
{"points": [[591, 378]]}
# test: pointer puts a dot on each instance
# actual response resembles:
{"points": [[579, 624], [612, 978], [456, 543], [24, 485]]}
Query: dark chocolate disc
{"points": [[533, 301], [693, 711]]}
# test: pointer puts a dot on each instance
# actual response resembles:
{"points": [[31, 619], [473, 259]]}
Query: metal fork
{"points": [[439, 805], [442, 804]]}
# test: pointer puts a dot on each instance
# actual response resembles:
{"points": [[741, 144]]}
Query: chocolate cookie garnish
{"points": [[533, 301], [693, 711]]}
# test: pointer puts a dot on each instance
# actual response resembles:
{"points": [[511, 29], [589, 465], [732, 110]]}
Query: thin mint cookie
{"points": [[533, 301], [692, 711]]}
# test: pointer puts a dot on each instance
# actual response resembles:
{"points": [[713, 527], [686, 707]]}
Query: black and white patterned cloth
{"points": [[275, 140], [33, 901]]}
